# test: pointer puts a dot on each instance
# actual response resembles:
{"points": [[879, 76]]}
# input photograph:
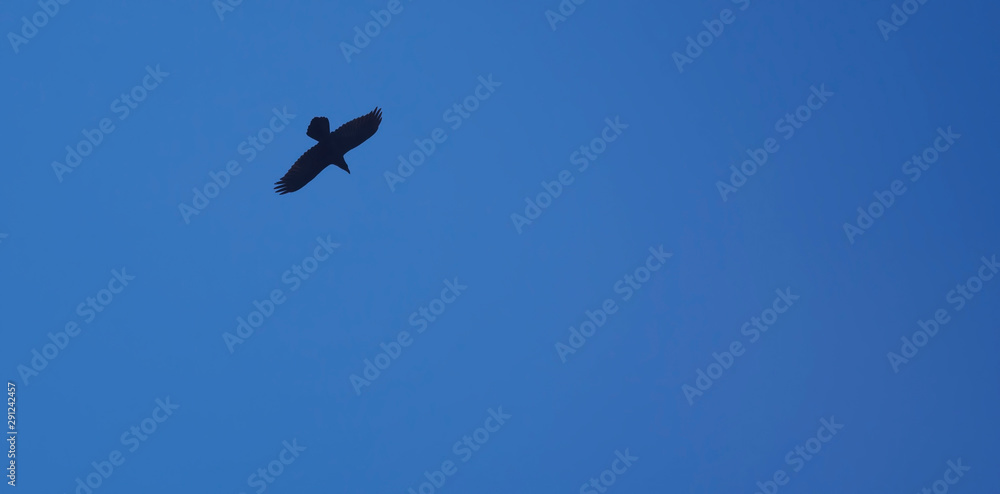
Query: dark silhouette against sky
{"points": [[329, 150]]}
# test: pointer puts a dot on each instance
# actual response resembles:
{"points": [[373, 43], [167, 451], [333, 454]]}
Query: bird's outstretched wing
{"points": [[318, 128], [305, 169], [353, 133]]}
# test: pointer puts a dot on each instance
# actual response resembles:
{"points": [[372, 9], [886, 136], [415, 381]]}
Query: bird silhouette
{"points": [[329, 149]]}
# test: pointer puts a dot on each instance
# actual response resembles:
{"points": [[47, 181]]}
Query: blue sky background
{"points": [[162, 336]]}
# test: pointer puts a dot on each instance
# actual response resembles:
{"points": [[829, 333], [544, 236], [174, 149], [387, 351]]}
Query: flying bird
{"points": [[329, 149]]}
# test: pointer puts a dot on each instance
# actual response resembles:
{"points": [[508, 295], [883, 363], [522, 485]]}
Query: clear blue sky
{"points": [[500, 363]]}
